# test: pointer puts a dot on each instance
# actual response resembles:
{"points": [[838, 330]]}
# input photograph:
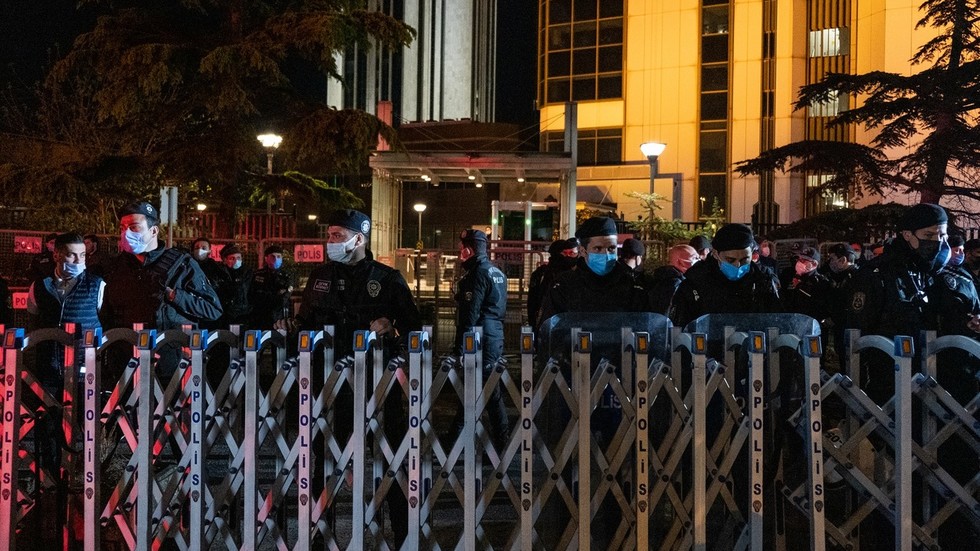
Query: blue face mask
{"points": [[945, 251], [601, 263], [72, 270], [132, 242], [956, 259], [277, 263], [733, 273], [237, 265]]}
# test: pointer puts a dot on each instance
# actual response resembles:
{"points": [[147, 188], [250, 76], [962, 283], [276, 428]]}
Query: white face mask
{"points": [[341, 252], [132, 242], [202, 253]]}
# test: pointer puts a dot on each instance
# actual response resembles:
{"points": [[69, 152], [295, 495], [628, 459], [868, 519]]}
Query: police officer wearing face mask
{"points": [[481, 300], [809, 290], [232, 283], [201, 251], [562, 255], [889, 294], [271, 290], [727, 281], [162, 288], [353, 292], [599, 282]]}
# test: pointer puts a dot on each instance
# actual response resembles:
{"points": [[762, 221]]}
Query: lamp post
{"points": [[652, 151], [270, 142], [419, 208]]}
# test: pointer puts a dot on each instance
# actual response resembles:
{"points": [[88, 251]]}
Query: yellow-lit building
{"points": [[713, 79]]}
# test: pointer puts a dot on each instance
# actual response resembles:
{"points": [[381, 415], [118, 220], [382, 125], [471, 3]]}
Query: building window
{"points": [[828, 42], [583, 43], [713, 107], [835, 104], [824, 200], [603, 146]]}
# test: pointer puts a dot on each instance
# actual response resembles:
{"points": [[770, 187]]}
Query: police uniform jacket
{"points": [[890, 294], [955, 297], [136, 291], [269, 296], [351, 297], [809, 294], [541, 281], [481, 300], [661, 287], [233, 287], [582, 290], [705, 290]]}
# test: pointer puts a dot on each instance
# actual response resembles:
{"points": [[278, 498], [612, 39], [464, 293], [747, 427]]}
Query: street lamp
{"points": [[652, 151], [270, 142], [419, 208]]}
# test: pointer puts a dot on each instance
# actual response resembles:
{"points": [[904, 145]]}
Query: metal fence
{"points": [[628, 434]]}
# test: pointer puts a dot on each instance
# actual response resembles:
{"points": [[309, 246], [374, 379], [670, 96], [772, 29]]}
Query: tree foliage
{"points": [[927, 120], [175, 91]]}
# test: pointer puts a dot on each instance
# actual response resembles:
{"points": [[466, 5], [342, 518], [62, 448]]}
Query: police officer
{"points": [[201, 251], [665, 280], [94, 256], [631, 253], [808, 292], [727, 281], [562, 254], [702, 245], [889, 294], [270, 290], [352, 291], [841, 269], [971, 260], [481, 300], [148, 283], [599, 283], [232, 282]]}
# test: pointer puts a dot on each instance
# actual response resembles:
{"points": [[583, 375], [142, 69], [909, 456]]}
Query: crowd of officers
{"points": [[921, 280]]}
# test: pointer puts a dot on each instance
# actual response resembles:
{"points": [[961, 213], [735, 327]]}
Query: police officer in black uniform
{"points": [[727, 281], [665, 280], [890, 293], [42, 264], [352, 291], [599, 282], [232, 282], [162, 288], [481, 301], [562, 255], [808, 292], [270, 291]]}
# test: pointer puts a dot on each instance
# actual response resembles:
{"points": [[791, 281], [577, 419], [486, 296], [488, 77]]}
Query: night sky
{"points": [[31, 31]]}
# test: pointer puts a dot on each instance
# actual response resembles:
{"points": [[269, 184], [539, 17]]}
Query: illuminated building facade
{"points": [[715, 80]]}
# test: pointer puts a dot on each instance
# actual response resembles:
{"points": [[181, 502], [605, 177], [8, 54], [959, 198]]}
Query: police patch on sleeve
{"points": [[322, 285], [374, 288], [857, 302], [468, 296], [950, 281]]}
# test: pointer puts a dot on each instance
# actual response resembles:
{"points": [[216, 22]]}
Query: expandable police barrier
{"points": [[629, 434]]}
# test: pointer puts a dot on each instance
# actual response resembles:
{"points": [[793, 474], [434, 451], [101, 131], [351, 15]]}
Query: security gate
{"points": [[626, 434]]}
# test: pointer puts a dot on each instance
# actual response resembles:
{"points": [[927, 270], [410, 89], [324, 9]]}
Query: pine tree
{"points": [[937, 109]]}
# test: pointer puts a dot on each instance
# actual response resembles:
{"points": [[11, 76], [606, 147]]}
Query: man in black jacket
{"points": [[481, 300], [727, 281], [151, 284], [890, 294], [663, 283], [562, 256], [271, 290], [352, 291], [232, 281], [599, 282]]}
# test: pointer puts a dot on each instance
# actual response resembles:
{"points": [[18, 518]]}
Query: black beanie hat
{"points": [[474, 239], [560, 245], [272, 249], [733, 236], [921, 216], [596, 227], [632, 247], [351, 219], [700, 243]]}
